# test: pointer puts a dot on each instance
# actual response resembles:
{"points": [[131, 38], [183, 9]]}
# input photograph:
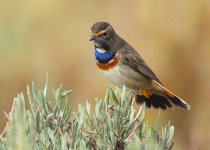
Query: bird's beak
{"points": [[92, 38]]}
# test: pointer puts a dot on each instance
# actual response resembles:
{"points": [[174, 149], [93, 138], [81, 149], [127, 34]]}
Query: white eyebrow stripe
{"points": [[100, 50], [101, 32]]}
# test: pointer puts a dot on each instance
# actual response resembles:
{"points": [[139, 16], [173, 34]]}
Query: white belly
{"points": [[124, 75]]}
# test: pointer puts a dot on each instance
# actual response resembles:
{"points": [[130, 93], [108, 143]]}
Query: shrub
{"points": [[113, 124]]}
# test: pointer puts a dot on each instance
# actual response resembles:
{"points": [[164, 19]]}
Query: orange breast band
{"points": [[111, 64]]}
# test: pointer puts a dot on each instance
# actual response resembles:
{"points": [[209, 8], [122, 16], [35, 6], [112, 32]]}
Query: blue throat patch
{"points": [[104, 57]]}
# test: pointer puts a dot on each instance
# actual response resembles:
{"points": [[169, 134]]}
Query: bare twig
{"points": [[8, 117]]}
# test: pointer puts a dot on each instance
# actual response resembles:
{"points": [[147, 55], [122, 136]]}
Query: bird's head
{"points": [[103, 35]]}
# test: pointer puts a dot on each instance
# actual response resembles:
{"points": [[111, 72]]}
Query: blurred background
{"points": [[52, 36]]}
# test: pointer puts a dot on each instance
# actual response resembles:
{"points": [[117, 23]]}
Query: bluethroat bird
{"points": [[122, 65]]}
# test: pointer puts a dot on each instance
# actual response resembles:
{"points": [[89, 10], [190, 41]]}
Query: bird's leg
{"points": [[133, 99], [134, 96]]}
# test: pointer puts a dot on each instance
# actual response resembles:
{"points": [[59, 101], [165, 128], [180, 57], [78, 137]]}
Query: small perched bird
{"points": [[122, 65]]}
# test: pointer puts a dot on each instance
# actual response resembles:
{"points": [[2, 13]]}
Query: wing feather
{"points": [[133, 59]]}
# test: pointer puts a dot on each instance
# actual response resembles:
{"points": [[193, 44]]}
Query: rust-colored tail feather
{"points": [[166, 99], [162, 102], [179, 102], [155, 101]]}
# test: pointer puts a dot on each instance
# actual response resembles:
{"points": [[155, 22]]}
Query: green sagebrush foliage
{"points": [[114, 124]]}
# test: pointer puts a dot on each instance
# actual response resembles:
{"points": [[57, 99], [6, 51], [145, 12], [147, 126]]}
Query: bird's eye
{"points": [[105, 34]]}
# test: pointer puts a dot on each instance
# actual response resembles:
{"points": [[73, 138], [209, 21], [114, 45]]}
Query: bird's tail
{"points": [[162, 101], [178, 102], [155, 101]]}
